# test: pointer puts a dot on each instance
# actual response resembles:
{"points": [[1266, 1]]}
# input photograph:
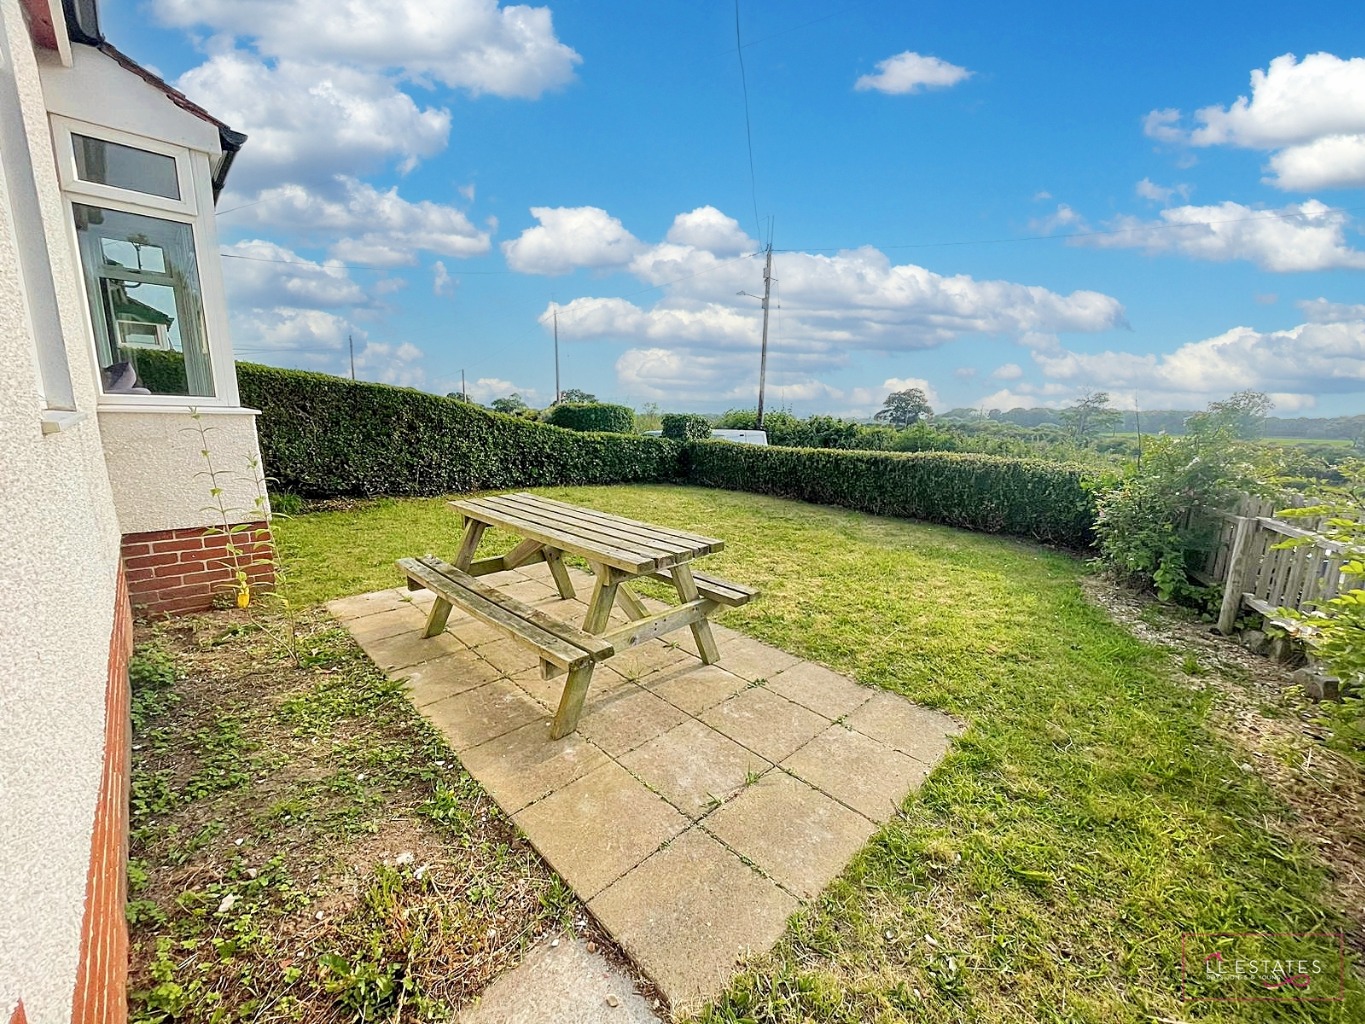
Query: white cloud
{"points": [[1150, 190], [709, 229], [258, 273], [309, 121], [441, 284], [391, 364], [1294, 365], [965, 372], [1311, 110], [570, 238], [367, 225], [1063, 217], [485, 389], [282, 329], [467, 44], [1320, 311], [910, 72], [1009, 371], [1298, 237]]}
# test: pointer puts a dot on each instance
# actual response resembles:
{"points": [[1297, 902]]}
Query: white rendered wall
{"points": [[59, 544], [160, 480]]}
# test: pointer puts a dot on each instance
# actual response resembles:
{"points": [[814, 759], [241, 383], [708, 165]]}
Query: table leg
{"points": [[440, 614], [473, 534], [630, 604], [701, 631], [555, 560], [603, 597], [571, 702]]}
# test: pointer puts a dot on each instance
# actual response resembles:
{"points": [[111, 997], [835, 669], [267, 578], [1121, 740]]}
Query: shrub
{"points": [[586, 416], [326, 437], [681, 426], [1048, 501]]}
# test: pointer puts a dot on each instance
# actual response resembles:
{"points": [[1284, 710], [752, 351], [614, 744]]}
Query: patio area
{"points": [[697, 807]]}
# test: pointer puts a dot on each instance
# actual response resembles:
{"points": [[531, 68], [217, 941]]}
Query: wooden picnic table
{"points": [[619, 551]]}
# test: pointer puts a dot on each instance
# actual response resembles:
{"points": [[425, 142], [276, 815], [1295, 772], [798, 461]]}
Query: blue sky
{"points": [[1005, 205]]}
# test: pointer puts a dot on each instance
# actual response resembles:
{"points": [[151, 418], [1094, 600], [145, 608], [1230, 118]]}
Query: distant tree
{"points": [[511, 404], [459, 396], [1242, 415], [1090, 416], [576, 395], [905, 408]]}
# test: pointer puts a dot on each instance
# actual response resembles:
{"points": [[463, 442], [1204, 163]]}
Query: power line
{"points": [[748, 129], [348, 266]]}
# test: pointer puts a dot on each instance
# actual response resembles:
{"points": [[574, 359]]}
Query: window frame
{"points": [[195, 210]]}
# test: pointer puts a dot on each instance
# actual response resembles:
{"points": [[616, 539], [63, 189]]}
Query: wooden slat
{"points": [[657, 625], [718, 590], [565, 631], [588, 522], [633, 527], [498, 563], [593, 532], [555, 641], [593, 550]]}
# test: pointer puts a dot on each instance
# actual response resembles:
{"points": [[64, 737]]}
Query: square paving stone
{"points": [[694, 687], [694, 767], [753, 660], [474, 632], [348, 608], [402, 618], [690, 942], [796, 834], [411, 648], [765, 722], [528, 591], [523, 765], [548, 692], [478, 715], [598, 827], [857, 770], [625, 717], [635, 663], [444, 677], [823, 690], [924, 734], [509, 657]]}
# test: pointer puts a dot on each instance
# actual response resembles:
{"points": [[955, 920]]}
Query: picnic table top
{"points": [[625, 544]]}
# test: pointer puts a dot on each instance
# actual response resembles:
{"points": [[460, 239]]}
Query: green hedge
{"points": [[681, 426], [326, 437], [613, 419], [1047, 501]]}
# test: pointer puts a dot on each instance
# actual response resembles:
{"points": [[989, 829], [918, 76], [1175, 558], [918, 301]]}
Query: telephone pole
{"points": [[463, 390], [557, 391], [350, 342], [763, 357]]}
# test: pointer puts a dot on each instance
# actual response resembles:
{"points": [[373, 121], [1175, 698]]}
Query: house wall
{"points": [[59, 564]]}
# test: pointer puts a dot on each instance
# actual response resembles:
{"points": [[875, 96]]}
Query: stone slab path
{"points": [[697, 807]]}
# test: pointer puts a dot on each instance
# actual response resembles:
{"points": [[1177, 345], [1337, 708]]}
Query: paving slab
{"points": [[836, 763], [765, 722], [444, 677], [922, 733], [483, 713], [694, 809], [598, 827], [797, 835], [560, 982], [820, 689], [690, 913], [694, 767]]}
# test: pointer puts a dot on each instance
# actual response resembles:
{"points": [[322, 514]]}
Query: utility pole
{"points": [[763, 357], [557, 391], [350, 341], [463, 390]]}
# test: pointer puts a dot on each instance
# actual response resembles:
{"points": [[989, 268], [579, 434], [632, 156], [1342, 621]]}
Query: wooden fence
{"points": [[1256, 573]]}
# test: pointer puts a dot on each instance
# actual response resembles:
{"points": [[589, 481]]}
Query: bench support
{"points": [[571, 701], [603, 597], [436, 621], [561, 575], [701, 629]]}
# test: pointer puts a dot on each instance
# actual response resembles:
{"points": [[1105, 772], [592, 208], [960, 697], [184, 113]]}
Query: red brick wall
{"points": [[102, 974], [189, 570]]}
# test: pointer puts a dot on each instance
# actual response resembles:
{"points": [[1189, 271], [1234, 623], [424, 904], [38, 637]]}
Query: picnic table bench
{"points": [[619, 551]]}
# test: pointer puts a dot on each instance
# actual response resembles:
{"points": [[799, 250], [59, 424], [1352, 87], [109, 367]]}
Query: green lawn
{"points": [[1047, 869]]}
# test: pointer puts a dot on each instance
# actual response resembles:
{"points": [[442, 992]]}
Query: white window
{"points": [[134, 208]]}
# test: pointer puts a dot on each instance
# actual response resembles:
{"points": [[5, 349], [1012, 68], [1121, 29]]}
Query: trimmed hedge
{"points": [[328, 437], [600, 416], [1047, 501], [683, 426]]}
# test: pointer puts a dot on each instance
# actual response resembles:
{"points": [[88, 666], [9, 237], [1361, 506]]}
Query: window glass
{"points": [[108, 163], [143, 283]]}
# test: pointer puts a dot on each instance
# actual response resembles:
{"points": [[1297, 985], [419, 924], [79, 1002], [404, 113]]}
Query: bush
{"points": [[1047, 501], [328, 437], [681, 426], [588, 416]]}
